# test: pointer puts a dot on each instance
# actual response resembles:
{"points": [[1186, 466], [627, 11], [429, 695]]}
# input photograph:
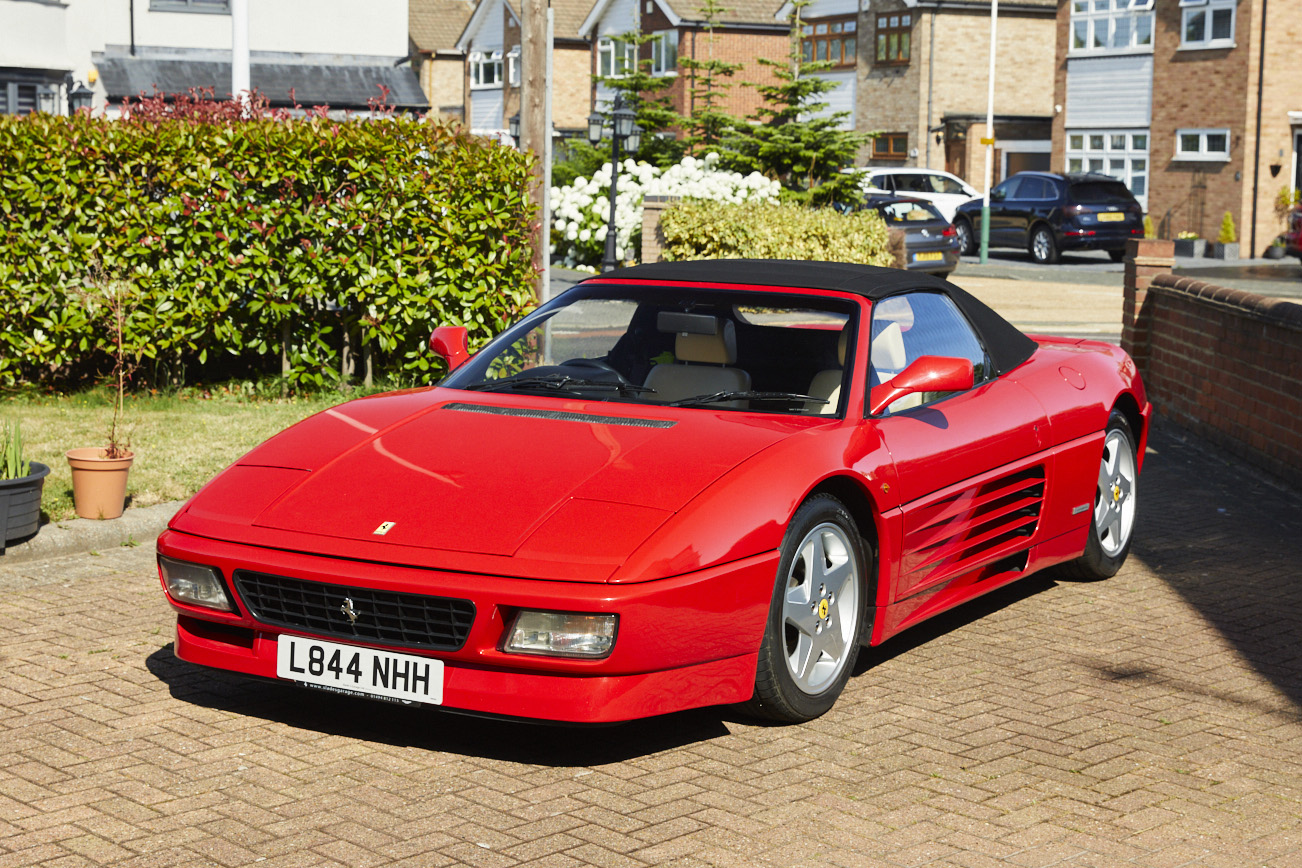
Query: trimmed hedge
{"points": [[235, 232], [709, 230]]}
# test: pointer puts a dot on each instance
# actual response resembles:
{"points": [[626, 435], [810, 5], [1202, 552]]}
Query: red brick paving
{"points": [[1152, 719]]}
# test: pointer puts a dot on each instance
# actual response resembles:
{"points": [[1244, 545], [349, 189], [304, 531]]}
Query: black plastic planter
{"points": [[20, 504]]}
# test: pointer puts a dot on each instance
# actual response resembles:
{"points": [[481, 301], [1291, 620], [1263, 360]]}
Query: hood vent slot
{"points": [[561, 416]]}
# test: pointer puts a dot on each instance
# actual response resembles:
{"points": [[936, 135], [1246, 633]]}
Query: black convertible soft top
{"points": [[1007, 346]]}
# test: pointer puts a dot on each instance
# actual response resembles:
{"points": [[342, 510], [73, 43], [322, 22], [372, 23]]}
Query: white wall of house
{"points": [[485, 37], [34, 35], [1115, 90], [842, 98]]}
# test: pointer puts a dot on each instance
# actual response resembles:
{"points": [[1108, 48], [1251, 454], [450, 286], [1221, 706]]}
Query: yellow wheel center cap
{"points": [[822, 608], [1116, 493]]}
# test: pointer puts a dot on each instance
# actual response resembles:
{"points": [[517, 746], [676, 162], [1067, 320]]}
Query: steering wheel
{"points": [[598, 365]]}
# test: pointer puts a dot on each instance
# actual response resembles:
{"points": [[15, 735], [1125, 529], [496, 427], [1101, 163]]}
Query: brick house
{"points": [[747, 30], [1195, 104], [922, 83], [434, 27], [491, 42]]}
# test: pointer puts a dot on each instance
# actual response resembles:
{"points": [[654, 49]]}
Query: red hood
{"points": [[559, 489]]}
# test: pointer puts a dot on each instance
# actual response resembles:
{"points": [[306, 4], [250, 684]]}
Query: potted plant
{"points": [[1188, 243], [99, 473], [1276, 248], [21, 483], [1227, 240]]}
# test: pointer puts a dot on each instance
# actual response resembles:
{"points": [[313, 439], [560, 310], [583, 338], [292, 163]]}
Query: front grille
{"points": [[383, 617]]}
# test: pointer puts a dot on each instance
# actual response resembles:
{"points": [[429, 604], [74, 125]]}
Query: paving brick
{"points": [[1151, 719]]}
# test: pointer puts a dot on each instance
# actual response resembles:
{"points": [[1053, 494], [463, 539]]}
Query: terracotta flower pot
{"points": [[99, 483], [20, 504]]}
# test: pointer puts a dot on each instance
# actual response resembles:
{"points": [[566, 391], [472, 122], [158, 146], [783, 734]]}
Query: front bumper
{"points": [[683, 642]]}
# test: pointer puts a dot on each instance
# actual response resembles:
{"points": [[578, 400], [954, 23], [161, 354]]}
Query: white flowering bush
{"points": [[580, 211]]}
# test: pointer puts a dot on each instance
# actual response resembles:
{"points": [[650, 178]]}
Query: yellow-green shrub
{"points": [[710, 230]]}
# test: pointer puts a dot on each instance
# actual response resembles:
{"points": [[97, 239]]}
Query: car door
{"points": [[1002, 199], [970, 475], [1018, 212]]}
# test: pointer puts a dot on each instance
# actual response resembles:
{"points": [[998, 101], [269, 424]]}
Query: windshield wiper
{"points": [[720, 397], [557, 383]]}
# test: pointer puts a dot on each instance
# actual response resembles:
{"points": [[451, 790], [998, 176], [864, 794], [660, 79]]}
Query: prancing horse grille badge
{"points": [[349, 611]]}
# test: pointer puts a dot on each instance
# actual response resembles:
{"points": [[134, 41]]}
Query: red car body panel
{"points": [[675, 529]]}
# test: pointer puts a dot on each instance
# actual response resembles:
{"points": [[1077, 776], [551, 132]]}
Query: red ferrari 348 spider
{"points": [[672, 486]]}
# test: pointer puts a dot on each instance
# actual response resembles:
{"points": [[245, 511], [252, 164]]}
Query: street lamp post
{"points": [[626, 133]]}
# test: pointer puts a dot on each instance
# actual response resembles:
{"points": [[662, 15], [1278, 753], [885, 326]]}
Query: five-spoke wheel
{"points": [[1115, 505], [817, 610]]}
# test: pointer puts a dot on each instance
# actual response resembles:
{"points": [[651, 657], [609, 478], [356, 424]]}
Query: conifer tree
{"points": [[707, 123], [791, 140]]}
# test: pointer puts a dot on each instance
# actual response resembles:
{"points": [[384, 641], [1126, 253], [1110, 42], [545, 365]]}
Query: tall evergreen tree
{"points": [[644, 93], [790, 140], [707, 123]]}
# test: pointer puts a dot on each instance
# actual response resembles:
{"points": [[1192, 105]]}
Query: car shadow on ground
{"points": [[1228, 539], [431, 729]]}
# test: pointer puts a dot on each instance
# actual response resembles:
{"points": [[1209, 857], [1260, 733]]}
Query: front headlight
{"points": [[194, 584], [562, 634]]}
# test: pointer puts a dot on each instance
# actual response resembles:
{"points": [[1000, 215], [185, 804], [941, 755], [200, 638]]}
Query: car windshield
{"points": [[909, 212], [1101, 193], [757, 351]]}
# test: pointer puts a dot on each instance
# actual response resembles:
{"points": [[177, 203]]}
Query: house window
{"points": [[616, 58], [1207, 145], [1111, 25], [1206, 23], [664, 52], [513, 67], [891, 146], [218, 6], [486, 68], [1123, 154], [894, 34], [17, 98], [831, 41]]}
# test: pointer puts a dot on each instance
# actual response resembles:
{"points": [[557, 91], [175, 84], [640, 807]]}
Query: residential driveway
{"points": [[1152, 719]]}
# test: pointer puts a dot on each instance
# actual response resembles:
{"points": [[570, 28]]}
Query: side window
{"points": [[907, 327], [1006, 189]]}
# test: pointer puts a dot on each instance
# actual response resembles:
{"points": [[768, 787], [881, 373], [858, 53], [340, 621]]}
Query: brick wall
{"points": [[1223, 363]]}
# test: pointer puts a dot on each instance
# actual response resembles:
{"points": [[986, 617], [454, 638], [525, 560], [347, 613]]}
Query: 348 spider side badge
{"points": [[673, 486]]}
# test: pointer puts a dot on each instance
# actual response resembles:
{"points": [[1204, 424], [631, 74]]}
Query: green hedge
{"points": [[708, 230], [236, 231]]}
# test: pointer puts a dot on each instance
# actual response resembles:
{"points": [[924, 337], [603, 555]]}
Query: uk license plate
{"points": [[1111, 217], [360, 671], [936, 256]]}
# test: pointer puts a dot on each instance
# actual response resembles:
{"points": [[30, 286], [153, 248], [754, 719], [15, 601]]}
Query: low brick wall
{"points": [[1223, 363]]}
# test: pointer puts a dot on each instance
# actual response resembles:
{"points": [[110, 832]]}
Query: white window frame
{"points": [[1128, 146], [1208, 9], [513, 67], [659, 40], [1203, 154], [485, 60], [1101, 20], [608, 47]]}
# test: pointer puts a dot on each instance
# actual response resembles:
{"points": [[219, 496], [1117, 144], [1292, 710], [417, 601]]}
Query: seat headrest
{"points": [[888, 349], [842, 342], [715, 349]]}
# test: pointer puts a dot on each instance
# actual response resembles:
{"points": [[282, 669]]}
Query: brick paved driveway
{"points": [[1152, 719]]}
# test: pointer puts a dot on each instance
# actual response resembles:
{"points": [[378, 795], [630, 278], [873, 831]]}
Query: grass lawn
{"points": [[180, 441]]}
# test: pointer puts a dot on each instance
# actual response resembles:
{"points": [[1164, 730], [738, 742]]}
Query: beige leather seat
{"points": [[888, 359], [703, 366], [827, 384]]}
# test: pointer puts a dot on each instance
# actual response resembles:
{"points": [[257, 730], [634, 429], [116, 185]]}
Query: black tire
{"points": [[966, 243], [1115, 507], [1116, 255], [1042, 246], [806, 658]]}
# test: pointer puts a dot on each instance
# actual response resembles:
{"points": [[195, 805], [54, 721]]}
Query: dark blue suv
{"points": [[1046, 214]]}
